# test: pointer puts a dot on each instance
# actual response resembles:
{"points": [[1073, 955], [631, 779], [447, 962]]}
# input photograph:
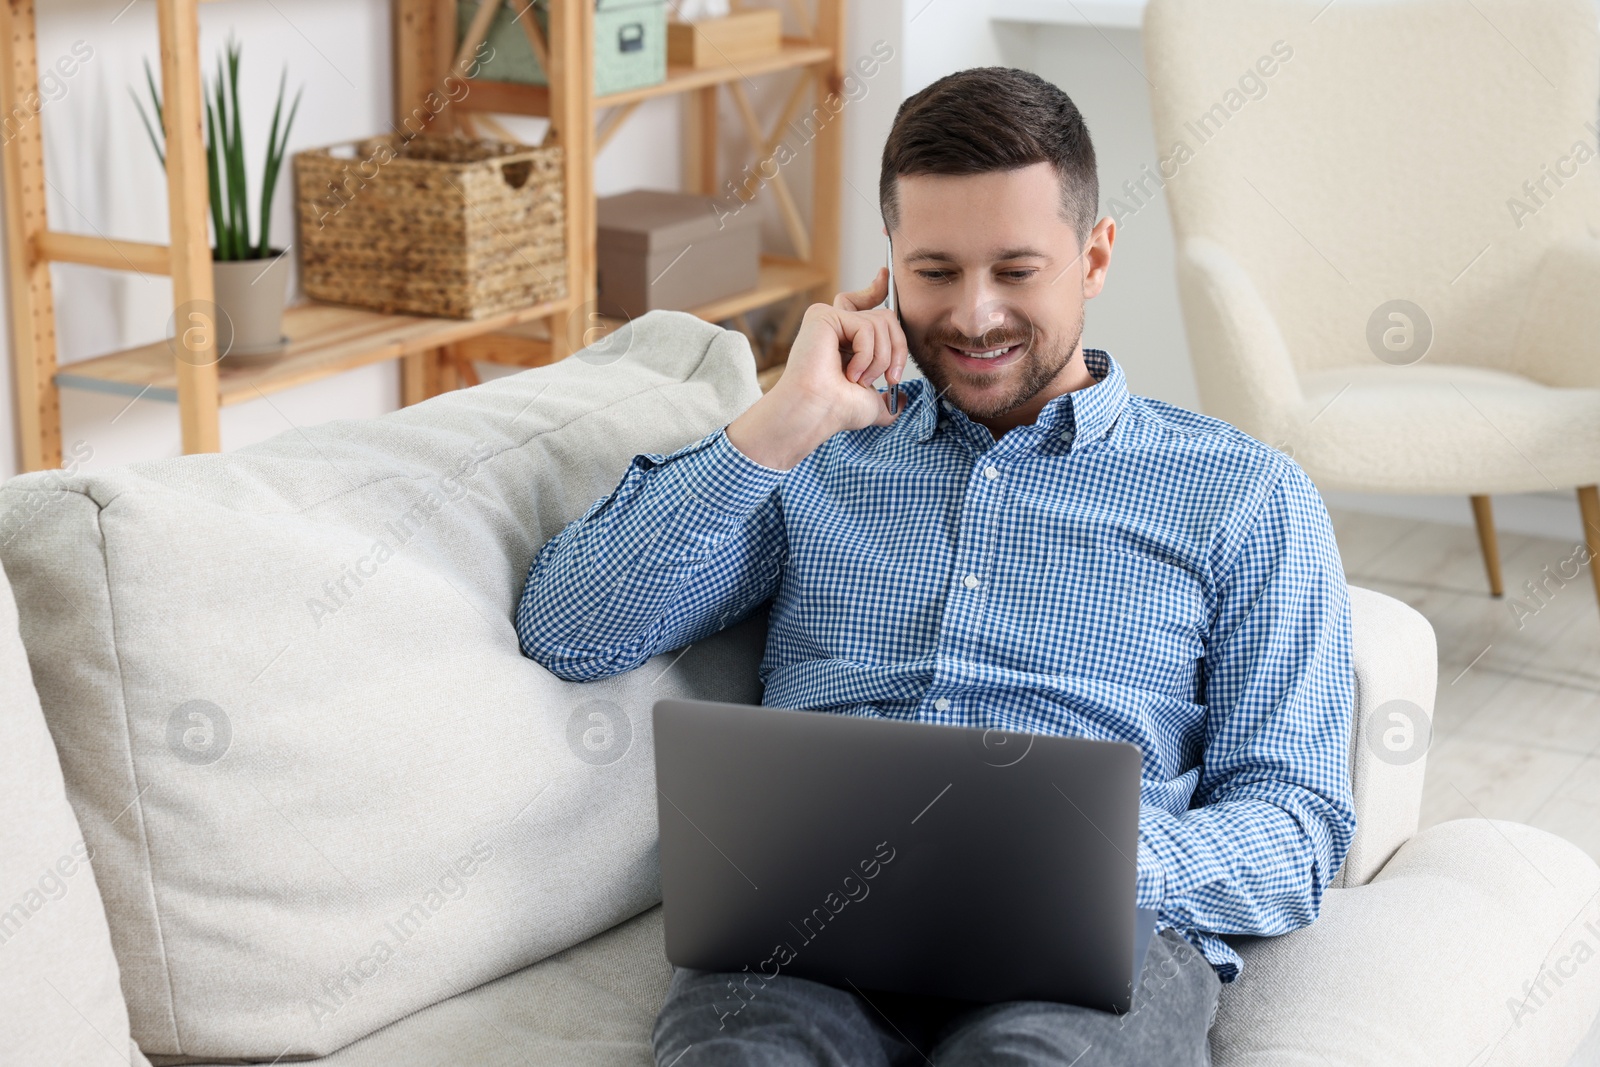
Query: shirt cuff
{"points": [[1151, 886], [723, 478]]}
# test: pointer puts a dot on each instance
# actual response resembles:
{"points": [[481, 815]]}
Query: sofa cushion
{"points": [[1416, 968], [351, 795], [58, 976], [1476, 944], [592, 1005]]}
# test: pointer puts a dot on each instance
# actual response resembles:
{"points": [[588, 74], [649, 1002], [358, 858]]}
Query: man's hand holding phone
{"points": [[827, 385]]}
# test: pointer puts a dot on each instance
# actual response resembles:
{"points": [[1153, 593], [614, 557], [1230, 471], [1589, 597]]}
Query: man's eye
{"points": [[933, 275], [1017, 275]]}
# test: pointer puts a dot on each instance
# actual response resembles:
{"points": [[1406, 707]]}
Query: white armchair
{"points": [[1388, 232]]}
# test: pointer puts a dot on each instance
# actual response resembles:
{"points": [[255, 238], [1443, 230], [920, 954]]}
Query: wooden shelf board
{"points": [[515, 98], [778, 278], [515, 346], [324, 339], [794, 53], [328, 339], [528, 346]]}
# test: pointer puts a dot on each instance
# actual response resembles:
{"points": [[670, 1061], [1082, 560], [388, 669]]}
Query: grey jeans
{"points": [[790, 1021]]}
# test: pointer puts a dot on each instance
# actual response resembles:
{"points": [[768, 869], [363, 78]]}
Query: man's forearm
{"points": [[677, 543], [1272, 815], [1246, 866]]}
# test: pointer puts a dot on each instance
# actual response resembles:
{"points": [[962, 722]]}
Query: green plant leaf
{"points": [[213, 183], [155, 142], [269, 177], [236, 165], [219, 150], [275, 155], [155, 95]]}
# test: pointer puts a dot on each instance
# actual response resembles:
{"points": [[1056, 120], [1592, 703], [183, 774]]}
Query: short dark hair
{"points": [[990, 119]]}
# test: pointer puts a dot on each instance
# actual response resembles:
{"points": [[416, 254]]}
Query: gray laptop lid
{"points": [[901, 856]]}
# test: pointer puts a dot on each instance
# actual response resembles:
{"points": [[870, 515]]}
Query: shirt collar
{"points": [[1074, 419]]}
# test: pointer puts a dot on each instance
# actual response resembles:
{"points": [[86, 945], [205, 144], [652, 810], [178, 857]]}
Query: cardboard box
{"points": [[669, 251], [727, 41]]}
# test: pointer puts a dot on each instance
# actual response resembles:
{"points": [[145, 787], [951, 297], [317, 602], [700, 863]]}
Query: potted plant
{"points": [[250, 278]]}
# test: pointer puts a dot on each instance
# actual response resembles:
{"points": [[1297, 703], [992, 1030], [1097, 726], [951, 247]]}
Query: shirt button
{"points": [[970, 581], [941, 704], [991, 472], [948, 406]]}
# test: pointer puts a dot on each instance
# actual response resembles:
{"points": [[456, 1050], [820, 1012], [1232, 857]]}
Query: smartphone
{"points": [[893, 304]]}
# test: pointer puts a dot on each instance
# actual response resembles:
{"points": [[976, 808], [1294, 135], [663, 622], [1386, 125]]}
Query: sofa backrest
{"points": [[322, 786]]}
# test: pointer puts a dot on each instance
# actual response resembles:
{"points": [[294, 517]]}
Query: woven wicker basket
{"points": [[432, 225]]}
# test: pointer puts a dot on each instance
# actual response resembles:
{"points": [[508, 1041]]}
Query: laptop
{"points": [[907, 857]]}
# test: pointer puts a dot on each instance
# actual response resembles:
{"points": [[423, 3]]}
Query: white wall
{"points": [[867, 123]]}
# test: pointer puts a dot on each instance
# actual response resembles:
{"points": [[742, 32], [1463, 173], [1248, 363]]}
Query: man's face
{"points": [[992, 281]]}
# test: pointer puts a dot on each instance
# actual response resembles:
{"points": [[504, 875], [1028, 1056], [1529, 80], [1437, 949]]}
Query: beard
{"points": [[1042, 360]]}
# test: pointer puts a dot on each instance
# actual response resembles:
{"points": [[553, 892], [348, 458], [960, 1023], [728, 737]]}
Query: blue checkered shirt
{"points": [[1120, 569]]}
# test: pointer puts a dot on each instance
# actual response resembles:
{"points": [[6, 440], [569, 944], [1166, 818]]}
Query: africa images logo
{"points": [[852, 889]]}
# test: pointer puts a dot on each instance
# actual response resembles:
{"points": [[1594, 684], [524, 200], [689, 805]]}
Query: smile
{"points": [[987, 359]]}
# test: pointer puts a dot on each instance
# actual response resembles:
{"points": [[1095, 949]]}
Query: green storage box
{"points": [[630, 44]]}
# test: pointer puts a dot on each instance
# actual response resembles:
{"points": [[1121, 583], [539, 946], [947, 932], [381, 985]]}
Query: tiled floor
{"points": [[1517, 717]]}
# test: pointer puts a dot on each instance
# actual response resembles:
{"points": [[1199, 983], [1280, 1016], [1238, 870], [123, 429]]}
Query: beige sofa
{"points": [[288, 789]]}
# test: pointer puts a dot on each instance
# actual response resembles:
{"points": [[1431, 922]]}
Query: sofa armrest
{"points": [[1558, 337], [1439, 960], [1475, 945], [1242, 365], [1396, 665]]}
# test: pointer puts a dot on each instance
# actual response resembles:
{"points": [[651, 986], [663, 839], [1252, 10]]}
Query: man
{"points": [[1022, 545]]}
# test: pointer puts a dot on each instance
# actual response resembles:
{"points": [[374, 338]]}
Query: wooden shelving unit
{"points": [[809, 274], [435, 354]]}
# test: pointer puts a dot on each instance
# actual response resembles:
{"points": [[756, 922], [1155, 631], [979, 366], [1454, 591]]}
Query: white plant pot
{"points": [[252, 293]]}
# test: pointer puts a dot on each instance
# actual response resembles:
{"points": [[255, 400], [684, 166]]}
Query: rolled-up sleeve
{"points": [[686, 544], [1271, 817]]}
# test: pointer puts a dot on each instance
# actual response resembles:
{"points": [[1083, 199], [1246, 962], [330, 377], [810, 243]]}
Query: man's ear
{"points": [[1097, 256]]}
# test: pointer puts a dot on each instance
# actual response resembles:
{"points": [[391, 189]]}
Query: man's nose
{"points": [[978, 309]]}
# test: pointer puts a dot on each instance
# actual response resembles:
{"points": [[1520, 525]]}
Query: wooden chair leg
{"points": [[1589, 508], [1483, 513]]}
